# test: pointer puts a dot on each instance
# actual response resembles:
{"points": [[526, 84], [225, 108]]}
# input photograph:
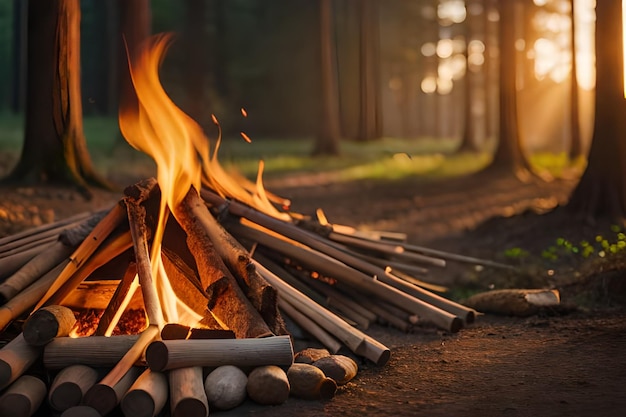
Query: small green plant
{"points": [[516, 253]]}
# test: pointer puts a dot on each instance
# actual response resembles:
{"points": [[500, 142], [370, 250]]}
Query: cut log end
{"points": [[66, 395], [81, 411], [101, 398], [156, 355], [138, 403], [190, 407]]}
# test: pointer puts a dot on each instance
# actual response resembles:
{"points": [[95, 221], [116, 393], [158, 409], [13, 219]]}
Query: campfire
{"points": [[199, 271]]}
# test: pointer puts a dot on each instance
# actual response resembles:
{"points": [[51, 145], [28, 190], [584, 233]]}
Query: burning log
{"points": [[47, 323], [23, 397], [237, 259], [70, 385], [137, 223], [226, 298], [147, 396], [170, 354], [15, 358], [187, 395]]}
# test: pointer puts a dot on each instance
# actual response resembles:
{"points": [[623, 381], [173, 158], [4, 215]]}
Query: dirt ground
{"points": [[570, 361]]}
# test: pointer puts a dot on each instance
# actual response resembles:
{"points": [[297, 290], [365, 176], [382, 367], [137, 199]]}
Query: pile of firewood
{"points": [[238, 276]]}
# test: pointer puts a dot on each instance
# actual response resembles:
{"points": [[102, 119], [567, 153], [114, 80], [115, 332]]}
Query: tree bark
{"points": [[508, 155], [54, 147], [575, 149], [327, 142], [370, 125], [601, 191]]}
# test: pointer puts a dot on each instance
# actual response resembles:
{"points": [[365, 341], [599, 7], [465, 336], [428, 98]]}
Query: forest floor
{"points": [[570, 361]]}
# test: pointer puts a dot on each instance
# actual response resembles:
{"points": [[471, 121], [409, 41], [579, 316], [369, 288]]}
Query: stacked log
{"points": [[237, 271]]}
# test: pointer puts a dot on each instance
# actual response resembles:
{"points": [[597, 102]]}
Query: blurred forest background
{"points": [[432, 66]]}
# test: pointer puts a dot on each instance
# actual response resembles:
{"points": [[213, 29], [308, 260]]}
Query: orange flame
{"points": [[153, 124]]}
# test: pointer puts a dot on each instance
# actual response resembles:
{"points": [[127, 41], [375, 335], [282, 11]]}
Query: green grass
{"points": [[385, 159]]}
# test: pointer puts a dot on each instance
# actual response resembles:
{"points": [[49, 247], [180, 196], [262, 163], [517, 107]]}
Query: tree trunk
{"points": [[18, 85], [575, 149], [508, 155], [54, 148], [601, 191], [135, 27], [370, 126], [327, 142]]}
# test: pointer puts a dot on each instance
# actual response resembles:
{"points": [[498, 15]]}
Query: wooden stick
{"points": [[137, 222], [171, 354], [403, 274], [33, 270], [227, 301], [70, 385], [389, 292], [104, 398], [330, 266], [372, 348], [115, 246], [187, 395], [289, 277], [131, 357], [465, 313], [96, 351], [23, 397], [349, 336], [47, 323], [311, 327], [11, 263], [23, 301], [15, 358], [125, 296], [147, 396], [457, 257], [35, 246], [386, 248], [83, 253], [54, 229], [352, 309]]}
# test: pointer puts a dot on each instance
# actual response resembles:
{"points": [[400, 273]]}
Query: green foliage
{"points": [[599, 247], [516, 253]]}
